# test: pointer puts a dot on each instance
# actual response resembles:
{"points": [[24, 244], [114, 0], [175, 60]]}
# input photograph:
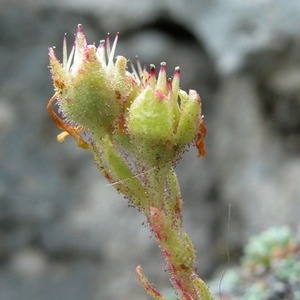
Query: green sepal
{"points": [[123, 178], [189, 117], [89, 101], [126, 88], [151, 117], [59, 74]]}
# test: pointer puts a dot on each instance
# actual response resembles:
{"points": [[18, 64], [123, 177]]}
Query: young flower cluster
{"points": [[99, 96], [92, 90]]}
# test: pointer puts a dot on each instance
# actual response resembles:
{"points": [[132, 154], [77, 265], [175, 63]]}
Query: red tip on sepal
{"points": [[177, 72], [162, 78], [169, 84], [79, 28], [163, 67], [152, 70]]}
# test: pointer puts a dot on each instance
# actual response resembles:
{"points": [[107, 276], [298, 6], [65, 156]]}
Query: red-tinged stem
{"points": [[157, 195], [177, 251], [176, 246]]}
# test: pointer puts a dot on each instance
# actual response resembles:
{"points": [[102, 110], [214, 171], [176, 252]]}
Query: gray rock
{"points": [[64, 233]]}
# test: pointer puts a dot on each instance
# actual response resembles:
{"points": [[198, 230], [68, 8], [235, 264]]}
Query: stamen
{"points": [[80, 39], [152, 76], [70, 59], [101, 55], [65, 53], [79, 28], [112, 53], [169, 84], [135, 73], [152, 70], [162, 78], [139, 66], [176, 81], [107, 44], [80, 44]]}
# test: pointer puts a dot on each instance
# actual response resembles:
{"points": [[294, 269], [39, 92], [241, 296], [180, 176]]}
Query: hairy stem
{"points": [[176, 246]]}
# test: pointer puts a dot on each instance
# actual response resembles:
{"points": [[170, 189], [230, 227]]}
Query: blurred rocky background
{"points": [[64, 233]]}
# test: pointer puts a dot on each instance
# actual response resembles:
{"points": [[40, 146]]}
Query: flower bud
{"points": [[144, 114], [92, 90], [150, 117], [163, 118], [190, 109]]}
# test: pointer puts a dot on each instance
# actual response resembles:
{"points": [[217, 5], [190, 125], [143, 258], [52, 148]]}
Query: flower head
{"points": [[164, 117], [91, 89], [98, 95]]}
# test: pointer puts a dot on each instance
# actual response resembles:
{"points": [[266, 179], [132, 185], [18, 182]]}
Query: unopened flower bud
{"points": [[190, 110], [139, 111], [163, 117], [92, 90], [150, 117]]}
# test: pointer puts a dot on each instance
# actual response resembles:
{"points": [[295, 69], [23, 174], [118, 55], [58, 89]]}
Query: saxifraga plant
{"points": [[136, 124]]}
